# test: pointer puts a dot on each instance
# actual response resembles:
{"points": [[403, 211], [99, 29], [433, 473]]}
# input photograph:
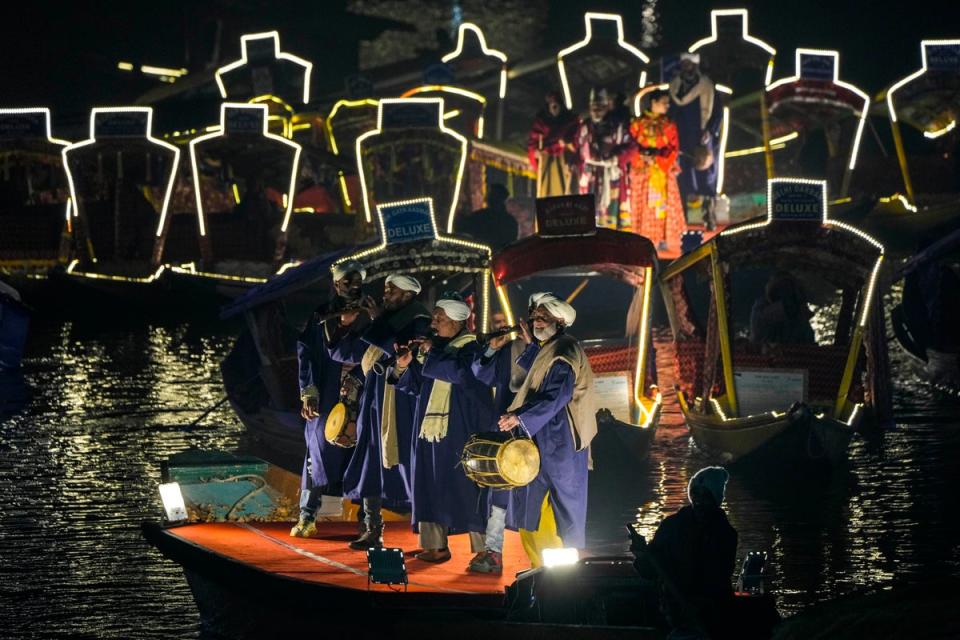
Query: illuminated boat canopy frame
{"points": [[744, 34], [277, 54], [827, 222], [45, 112], [442, 127], [493, 53], [148, 111], [916, 74], [836, 80], [365, 254], [194, 165], [588, 19], [340, 104]]}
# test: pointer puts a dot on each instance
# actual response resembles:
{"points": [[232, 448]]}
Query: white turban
{"points": [[557, 308], [455, 309], [534, 300], [404, 282], [342, 269], [692, 57]]}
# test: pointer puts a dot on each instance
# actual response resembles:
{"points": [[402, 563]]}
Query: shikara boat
{"points": [[613, 313], [780, 398]]}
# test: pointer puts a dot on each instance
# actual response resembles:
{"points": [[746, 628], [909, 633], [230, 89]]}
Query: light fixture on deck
{"points": [[173, 506], [386, 566], [560, 557]]}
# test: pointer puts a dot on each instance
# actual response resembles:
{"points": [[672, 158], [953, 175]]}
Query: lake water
{"points": [[79, 467]]}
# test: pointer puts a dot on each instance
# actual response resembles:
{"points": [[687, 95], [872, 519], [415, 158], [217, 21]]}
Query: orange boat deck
{"points": [[326, 560]]}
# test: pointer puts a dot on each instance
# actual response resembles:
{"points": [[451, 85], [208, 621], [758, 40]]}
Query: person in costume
{"points": [[698, 112], [380, 464], [320, 378], [656, 205], [603, 144], [550, 147], [452, 405], [555, 406]]}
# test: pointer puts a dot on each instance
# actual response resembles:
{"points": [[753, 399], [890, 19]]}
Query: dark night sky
{"points": [[64, 54]]}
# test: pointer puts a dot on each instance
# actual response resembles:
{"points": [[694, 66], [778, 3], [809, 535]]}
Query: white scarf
{"points": [[437, 416], [703, 90]]}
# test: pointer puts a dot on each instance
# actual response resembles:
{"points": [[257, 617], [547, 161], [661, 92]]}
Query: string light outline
{"points": [[277, 54], [500, 55], [916, 74]]}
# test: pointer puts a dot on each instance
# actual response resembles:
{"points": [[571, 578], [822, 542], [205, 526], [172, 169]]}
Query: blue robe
{"points": [[365, 475], [687, 117], [495, 371], [324, 462], [563, 470], [442, 492]]}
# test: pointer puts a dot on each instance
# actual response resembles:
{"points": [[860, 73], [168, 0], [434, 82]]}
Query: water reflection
{"points": [[79, 466]]}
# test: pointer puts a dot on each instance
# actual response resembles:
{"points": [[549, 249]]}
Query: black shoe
{"points": [[370, 539]]}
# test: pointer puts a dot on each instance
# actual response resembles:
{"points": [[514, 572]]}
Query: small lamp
{"points": [[173, 505], [386, 566], [560, 557]]}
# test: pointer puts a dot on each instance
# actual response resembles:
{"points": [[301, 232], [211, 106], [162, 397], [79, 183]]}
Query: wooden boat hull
{"points": [[619, 444], [795, 436]]}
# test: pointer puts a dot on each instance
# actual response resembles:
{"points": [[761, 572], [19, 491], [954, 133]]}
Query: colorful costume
{"points": [[547, 147], [654, 194], [602, 147]]}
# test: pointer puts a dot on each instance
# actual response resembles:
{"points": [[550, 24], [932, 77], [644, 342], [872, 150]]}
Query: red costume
{"points": [[654, 194]]}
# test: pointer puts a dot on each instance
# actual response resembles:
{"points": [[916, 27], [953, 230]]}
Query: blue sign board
{"points": [[409, 115], [243, 120], [943, 57], [815, 66], [120, 124], [797, 201], [22, 126], [407, 222]]}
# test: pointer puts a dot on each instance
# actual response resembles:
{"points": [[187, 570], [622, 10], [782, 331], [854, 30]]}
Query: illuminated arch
{"points": [[444, 88], [493, 53], [277, 54], [835, 80], [588, 18], [745, 35], [149, 136], [194, 165], [463, 154]]}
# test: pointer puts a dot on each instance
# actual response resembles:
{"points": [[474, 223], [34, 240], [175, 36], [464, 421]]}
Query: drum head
{"points": [[334, 424], [519, 461]]}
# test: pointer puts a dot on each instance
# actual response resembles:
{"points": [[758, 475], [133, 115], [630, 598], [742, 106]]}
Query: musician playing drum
{"points": [[380, 464], [452, 405], [497, 367], [556, 407], [320, 378]]}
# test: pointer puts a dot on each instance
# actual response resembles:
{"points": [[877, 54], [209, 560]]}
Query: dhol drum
{"points": [[500, 460], [341, 426]]}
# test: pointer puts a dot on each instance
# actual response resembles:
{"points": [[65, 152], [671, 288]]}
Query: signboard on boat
{"points": [[564, 216], [763, 390], [612, 391], [26, 125], [120, 124], [244, 120], [797, 200], [815, 66], [410, 114], [943, 57], [407, 221]]}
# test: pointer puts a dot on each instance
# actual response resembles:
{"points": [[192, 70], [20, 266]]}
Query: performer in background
{"points": [[603, 142], [380, 464], [550, 147], [452, 405], [654, 194], [698, 112], [320, 378], [497, 367], [556, 408]]}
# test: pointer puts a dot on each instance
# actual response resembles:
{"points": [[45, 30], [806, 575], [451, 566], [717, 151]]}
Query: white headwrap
{"points": [[557, 308], [534, 300], [342, 269], [455, 309], [692, 57], [404, 282]]}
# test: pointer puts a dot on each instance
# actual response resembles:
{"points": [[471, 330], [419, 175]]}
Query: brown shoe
{"points": [[371, 538], [435, 556]]}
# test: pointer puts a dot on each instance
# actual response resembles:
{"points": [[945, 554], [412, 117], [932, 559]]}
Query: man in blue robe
{"points": [[697, 109], [380, 464], [452, 405], [555, 407], [320, 379]]}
